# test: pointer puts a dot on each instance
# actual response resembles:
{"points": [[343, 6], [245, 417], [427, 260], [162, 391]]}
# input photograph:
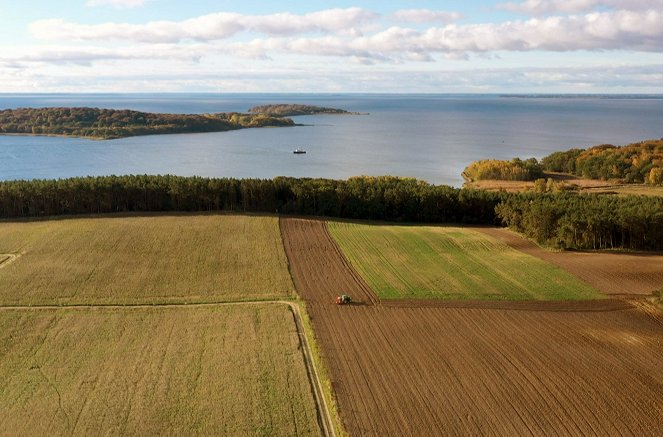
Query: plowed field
{"points": [[479, 368], [611, 273]]}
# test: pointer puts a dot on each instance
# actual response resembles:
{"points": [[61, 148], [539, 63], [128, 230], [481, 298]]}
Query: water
{"points": [[430, 137]]}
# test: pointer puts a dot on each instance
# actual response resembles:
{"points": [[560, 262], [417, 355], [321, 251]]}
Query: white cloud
{"points": [[623, 30], [426, 16], [117, 3], [139, 78], [208, 27], [546, 7], [337, 32]]}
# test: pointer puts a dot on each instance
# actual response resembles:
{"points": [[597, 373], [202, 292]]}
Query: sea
{"points": [[431, 137]]}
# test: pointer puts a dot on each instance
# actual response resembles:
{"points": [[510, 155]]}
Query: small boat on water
{"points": [[298, 151]]}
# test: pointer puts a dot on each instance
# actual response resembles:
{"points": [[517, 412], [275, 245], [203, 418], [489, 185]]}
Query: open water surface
{"points": [[430, 137]]}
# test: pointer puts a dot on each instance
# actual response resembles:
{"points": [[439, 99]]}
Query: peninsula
{"points": [[105, 124]]}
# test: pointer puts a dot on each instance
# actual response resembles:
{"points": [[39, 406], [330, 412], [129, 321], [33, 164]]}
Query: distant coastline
{"points": [[584, 96]]}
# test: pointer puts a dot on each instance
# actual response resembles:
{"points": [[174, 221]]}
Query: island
{"points": [[291, 110], [105, 124]]}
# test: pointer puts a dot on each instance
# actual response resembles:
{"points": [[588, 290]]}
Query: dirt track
{"points": [[483, 370], [611, 273]]}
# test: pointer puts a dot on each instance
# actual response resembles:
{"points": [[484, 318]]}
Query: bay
{"points": [[430, 137]]}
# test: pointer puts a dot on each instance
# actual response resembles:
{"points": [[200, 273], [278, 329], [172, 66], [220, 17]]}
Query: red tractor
{"points": [[343, 299]]}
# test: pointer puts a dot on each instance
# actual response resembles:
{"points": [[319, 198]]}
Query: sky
{"points": [[473, 46]]}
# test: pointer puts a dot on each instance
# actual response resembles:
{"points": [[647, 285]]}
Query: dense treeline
{"points": [[586, 221], [289, 110], [581, 221], [378, 198], [633, 163], [111, 123], [495, 169]]}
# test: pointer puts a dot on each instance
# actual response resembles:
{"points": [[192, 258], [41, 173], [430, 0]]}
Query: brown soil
{"points": [[611, 273], [479, 370], [332, 275]]}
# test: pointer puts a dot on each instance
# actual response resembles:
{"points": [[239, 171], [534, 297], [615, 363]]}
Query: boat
{"points": [[298, 151]]}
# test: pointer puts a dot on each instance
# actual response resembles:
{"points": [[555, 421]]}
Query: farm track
{"points": [[616, 274], [458, 368], [324, 413]]}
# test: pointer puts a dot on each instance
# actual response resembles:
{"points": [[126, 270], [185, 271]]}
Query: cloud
{"points": [[209, 27], [426, 16], [116, 3], [63, 55], [341, 33], [599, 78], [546, 7], [622, 30]]}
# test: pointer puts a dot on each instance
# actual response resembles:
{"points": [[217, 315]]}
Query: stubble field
{"points": [[96, 336], [143, 259], [222, 370], [520, 368]]}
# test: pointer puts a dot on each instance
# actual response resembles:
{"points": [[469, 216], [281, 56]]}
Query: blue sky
{"points": [[528, 46]]}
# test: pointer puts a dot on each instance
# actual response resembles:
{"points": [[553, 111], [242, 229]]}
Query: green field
{"points": [[414, 262], [223, 370], [151, 259]]}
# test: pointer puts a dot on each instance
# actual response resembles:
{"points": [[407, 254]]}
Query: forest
{"points": [[290, 110], [588, 221], [110, 123], [634, 163], [495, 169], [567, 220]]}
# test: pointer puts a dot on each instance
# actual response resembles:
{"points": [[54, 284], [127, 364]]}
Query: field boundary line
{"points": [[324, 414], [372, 296]]}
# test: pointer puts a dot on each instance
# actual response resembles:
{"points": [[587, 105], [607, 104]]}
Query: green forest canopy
{"points": [[570, 220], [111, 123], [289, 110]]}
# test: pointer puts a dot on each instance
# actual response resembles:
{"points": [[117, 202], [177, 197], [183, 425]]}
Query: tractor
{"points": [[343, 299]]}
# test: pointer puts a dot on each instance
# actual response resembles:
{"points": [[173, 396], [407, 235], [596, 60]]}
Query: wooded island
{"points": [[291, 110], [105, 124]]}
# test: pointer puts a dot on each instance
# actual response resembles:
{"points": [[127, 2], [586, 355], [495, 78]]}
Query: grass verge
{"points": [[327, 389]]}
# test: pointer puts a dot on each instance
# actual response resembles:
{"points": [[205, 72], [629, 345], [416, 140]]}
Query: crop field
{"points": [[625, 273], [451, 263], [143, 259], [212, 370], [515, 368]]}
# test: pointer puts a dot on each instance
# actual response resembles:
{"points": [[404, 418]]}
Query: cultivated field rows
{"points": [[447, 262], [611, 273], [403, 362], [533, 368]]}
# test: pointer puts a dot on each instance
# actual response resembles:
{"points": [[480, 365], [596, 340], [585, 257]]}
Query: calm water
{"points": [[431, 137]]}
